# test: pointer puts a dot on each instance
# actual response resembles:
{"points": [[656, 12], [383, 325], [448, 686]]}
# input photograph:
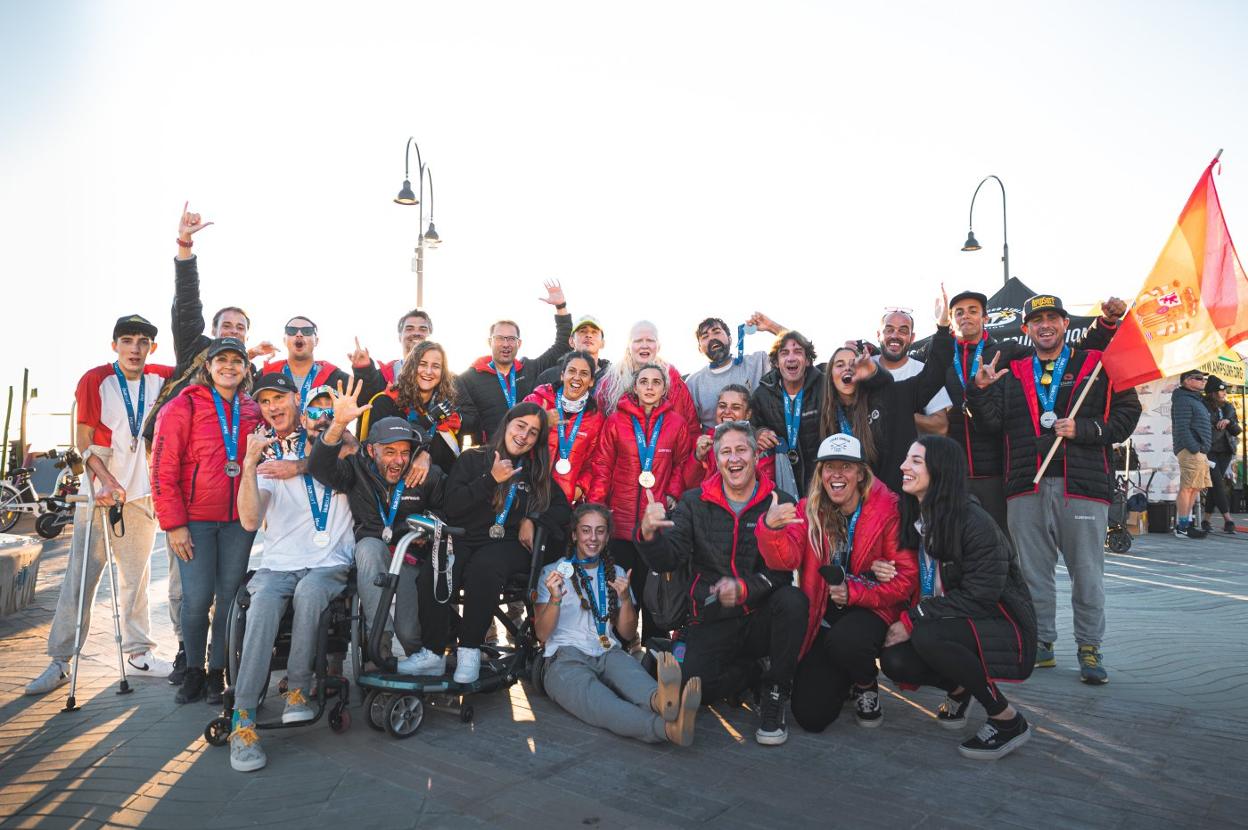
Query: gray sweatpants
{"points": [[311, 590], [1045, 524], [133, 554], [372, 558], [611, 691]]}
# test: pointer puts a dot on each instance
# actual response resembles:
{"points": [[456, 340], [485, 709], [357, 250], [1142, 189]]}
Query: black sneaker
{"points": [[215, 686], [952, 712], [774, 730], [1205, 526], [1228, 527], [867, 708], [179, 667], [996, 739], [192, 686]]}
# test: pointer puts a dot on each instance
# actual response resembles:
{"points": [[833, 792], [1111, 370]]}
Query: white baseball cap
{"points": [[841, 447]]}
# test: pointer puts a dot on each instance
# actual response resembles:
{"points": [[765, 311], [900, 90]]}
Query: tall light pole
{"points": [[972, 244], [407, 197]]}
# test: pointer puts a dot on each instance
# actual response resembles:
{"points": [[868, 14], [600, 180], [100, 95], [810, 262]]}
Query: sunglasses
{"points": [[306, 331], [316, 413]]}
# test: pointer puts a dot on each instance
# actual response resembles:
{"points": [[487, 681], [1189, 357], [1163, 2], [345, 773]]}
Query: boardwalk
{"points": [[1163, 745]]}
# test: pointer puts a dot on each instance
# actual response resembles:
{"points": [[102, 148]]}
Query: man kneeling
{"points": [[308, 549], [587, 672]]}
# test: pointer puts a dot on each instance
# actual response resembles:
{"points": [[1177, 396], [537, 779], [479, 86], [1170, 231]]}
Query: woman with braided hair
{"points": [[586, 671]]}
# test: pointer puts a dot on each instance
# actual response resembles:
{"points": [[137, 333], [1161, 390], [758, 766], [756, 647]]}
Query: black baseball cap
{"points": [[1191, 373], [275, 381], [1214, 384], [226, 344], [392, 430], [134, 324], [1043, 302], [970, 295]]}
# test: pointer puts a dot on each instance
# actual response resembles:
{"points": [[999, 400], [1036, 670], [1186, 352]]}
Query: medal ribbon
{"points": [[501, 518], [645, 452], [320, 514], [307, 381], [846, 554], [846, 427], [565, 445], [229, 433], [927, 571], [1048, 398], [509, 385], [599, 608], [793, 418], [135, 420], [387, 519], [957, 362]]}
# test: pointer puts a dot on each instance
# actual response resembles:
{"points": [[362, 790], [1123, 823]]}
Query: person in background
{"points": [[620, 380], [715, 343], [896, 336], [733, 405], [1222, 450], [586, 337], [575, 423], [416, 326], [1192, 430]]}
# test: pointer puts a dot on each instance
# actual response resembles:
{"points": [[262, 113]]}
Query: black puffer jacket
{"points": [[1223, 439], [470, 502], [768, 403], [357, 476], [717, 542], [1010, 408], [984, 584]]}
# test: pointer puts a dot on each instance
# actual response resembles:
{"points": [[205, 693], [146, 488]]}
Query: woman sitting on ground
{"points": [[587, 672], [972, 623]]}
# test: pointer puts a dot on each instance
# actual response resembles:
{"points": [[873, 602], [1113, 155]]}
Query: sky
{"points": [[814, 161]]}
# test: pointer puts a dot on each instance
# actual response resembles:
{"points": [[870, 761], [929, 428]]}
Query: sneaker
{"points": [[1045, 658], [1206, 526], [215, 688], [148, 665], [1228, 527], [1181, 533], [179, 667], [996, 739], [467, 665], [774, 730], [192, 686], [297, 710], [1194, 532], [1090, 669], [952, 712], [55, 675], [246, 755], [867, 710], [423, 663]]}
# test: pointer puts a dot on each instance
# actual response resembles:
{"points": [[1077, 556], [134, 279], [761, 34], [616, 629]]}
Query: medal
{"points": [[565, 569], [1046, 390], [134, 419], [793, 456], [966, 409], [229, 432], [645, 451], [386, 535], [646, 479], [793, 423], [232, 469], [598, 608], [321, 538], [605, 640], [563, 466], [496, 531], [134, 444], [1048, 419], [1046, 379], [387, 518]]}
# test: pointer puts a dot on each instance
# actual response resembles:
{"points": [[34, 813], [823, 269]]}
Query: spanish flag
{"points": [[1193, 306]]}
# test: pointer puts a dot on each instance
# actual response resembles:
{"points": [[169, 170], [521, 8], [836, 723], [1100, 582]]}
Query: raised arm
{"points": [[563, 330]]}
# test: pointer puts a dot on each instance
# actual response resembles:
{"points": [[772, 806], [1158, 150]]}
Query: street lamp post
{"points": [[407, 197], [972, 244]]}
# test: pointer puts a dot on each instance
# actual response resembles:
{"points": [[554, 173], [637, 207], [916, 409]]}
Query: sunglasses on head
{"points": [[316, 413], [306, 331]]}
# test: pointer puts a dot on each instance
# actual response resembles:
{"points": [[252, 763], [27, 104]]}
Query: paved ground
{"points": [[1161, 746]]}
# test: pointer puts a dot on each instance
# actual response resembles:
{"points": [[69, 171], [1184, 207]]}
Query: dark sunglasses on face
{"points": [[316, 413], [306, 331]]}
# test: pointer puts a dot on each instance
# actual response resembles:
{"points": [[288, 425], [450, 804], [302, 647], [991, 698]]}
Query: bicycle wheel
{"points": [[9, 498]]}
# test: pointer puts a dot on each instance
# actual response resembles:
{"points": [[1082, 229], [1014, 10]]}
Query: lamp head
{"points": [[406, 196], [972, 244], [431, 236]]}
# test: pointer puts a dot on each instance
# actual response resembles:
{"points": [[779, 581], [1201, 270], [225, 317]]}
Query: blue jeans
{"points": [[218, 562]]}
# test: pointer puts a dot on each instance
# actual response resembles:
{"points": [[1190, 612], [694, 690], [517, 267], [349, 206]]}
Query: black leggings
{"points": [[944, 654], [1216, 496], [489, 568], [627, 557], [839, 656]]}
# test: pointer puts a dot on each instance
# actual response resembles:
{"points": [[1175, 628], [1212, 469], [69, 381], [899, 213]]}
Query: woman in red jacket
{"points": [[644, 447], [847, 525], [575, 423], [200, 441]]}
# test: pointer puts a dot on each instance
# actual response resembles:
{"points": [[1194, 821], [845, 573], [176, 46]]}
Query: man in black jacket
{"points": [[1067, 512], [500, 380], [787, 403], [741, 609]]}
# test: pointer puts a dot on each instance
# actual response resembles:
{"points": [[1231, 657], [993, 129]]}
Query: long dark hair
{"points": [[406, 384], [536, 461], [605, 560], [857, 411], [944, 505]]}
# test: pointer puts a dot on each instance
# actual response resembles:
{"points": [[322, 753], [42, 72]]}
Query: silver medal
{"points": [[496, 531], [232, 469], [134, 444], [386, 535], [321, 538], [563, 466], [1048, 419]]}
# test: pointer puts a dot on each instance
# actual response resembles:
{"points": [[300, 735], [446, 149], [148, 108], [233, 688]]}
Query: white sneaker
{"points": [[56, 674], [467, 665], [148, 664], [423, 663]]}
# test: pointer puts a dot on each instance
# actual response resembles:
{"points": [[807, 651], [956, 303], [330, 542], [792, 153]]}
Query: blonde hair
{"points": [[622, 376], [826, 526]]}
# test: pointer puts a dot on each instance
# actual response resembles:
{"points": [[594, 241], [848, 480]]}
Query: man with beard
{"points": [[715, 342], [586, 337], [896, 335], [1066, 513], [301, 365]]}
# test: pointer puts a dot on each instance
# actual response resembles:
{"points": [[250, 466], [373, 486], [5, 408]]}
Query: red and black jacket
{"points": [[583, 446], [324, 373]]}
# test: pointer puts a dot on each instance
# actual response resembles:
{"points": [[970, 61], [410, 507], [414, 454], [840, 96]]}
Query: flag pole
{"points": [[1074, 411]]}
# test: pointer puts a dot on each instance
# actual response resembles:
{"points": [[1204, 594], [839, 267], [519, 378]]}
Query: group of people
{"points": [[1203, 426], [771, 527]]}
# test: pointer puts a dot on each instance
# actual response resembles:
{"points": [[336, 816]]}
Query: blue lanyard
{"points": [[849, 537], [957, 362], [307, 381], [846, 427], [598, 609], [414, 418], [501, 518], [509, 385], [387, 519], [645, 452], [320, 514], [136, 420], [229, 433], [565, 446], [927, 571], [1049, 401], [793, 417]]}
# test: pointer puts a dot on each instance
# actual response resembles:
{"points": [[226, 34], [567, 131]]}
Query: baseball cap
{"points": [[1191, 373], [1214, 384], [587, 320], [840, 447], [226, 344], [132, 324], [1043, 302], [391, 430], [970, 295], [319, 391], [276, 382]]}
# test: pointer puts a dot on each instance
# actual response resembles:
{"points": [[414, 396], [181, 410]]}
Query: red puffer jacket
{"points": [[699, 471], [875, 537], [583, 445], [189, 483], [616, 464]]}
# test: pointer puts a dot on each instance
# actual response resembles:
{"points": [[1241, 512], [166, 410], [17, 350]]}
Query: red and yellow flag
{"points": [[1194, 304]]}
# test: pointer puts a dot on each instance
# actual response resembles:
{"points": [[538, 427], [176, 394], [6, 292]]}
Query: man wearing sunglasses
{"points": [[301, 365], [308, 550], [500, 380]]}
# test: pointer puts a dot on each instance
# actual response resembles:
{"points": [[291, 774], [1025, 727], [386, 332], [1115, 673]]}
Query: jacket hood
{"points": [[482, 364], [629, 406], [713, 491]]}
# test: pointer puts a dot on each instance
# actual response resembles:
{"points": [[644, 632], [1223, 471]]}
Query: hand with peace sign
{"points": [[359, 358], [989, 374], [654, 518], [779, 516]]}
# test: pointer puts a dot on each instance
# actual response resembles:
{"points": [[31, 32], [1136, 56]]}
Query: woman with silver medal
{"points": [[498, 493], [584, 610], [575, 422]]}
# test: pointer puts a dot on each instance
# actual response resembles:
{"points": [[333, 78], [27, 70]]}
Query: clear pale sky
{"points": [[666, 161]]}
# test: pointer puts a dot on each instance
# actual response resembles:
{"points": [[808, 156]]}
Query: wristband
{"points": [[561, 306], [182, 244]]}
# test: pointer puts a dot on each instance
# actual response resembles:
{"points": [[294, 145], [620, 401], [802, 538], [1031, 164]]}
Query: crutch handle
{"points": [[77, 499]]}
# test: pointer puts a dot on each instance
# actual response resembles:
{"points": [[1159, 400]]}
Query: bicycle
{"points": [[52, 512]]}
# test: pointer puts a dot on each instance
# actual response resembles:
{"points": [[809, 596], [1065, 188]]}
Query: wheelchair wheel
{"points": [[217, 732], [404, 715], [357, 624], [339, 719], [375, 704], [1118, 541], [49, 525], [466, 714], [537, 669]]}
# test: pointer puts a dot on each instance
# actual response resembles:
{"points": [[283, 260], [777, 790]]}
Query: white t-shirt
{"points": [[576, 626], [911, 368], [289, 527], [102, 407]]}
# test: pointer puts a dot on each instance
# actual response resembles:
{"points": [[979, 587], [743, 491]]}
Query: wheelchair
{"points": [[338, 633], [394, 702]]}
